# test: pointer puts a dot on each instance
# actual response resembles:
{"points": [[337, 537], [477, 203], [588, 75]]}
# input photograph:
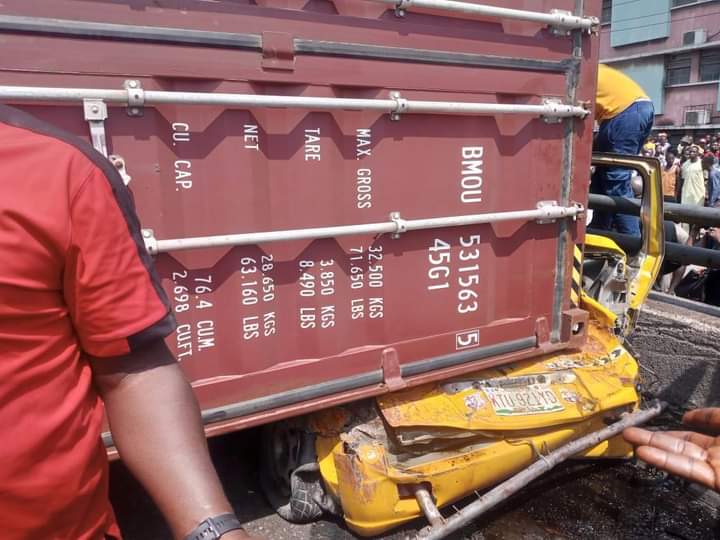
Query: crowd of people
{"points": [[690, 176]]}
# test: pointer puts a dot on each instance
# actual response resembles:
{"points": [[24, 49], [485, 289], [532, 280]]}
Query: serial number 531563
{"points": [[465, 279]]}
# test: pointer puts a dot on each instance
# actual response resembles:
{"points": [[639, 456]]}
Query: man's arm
{"points": [[156, 426]]}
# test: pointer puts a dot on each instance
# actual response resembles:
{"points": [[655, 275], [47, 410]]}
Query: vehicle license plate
{"points": [[520, 401]]}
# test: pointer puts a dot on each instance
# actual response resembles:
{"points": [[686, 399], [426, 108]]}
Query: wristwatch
{"points": [[214, 527]]}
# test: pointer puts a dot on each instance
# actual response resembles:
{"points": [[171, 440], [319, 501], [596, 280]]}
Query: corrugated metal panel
{"points": [[295, 324], [650, 74], [639, 20]]}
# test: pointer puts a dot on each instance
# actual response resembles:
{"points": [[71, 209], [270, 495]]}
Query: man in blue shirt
{"points": [[713, 182]]}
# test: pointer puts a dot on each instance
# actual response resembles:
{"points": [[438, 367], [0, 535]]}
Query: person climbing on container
{"points": [[82, 322], [626, 115]]}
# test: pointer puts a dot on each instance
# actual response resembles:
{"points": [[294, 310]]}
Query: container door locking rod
{"points": [[136, 98], [396, 226], [556, 19]]}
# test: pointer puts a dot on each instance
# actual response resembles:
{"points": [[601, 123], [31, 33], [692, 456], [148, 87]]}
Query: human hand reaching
{"points": [[688, 454]]}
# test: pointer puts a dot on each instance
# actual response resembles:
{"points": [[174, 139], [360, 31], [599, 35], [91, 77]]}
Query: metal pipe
{"points": [[39, 93], [500, 493], [555, 18], [427, 505], [696, 215], [692, 305], [394, 105], [397, 225], [676, 253], [557, 110], [679, 213]]}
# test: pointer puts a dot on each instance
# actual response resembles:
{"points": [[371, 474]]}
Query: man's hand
{"points": [[688, 454]]}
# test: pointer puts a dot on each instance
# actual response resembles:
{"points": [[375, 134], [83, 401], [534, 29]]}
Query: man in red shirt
{"points": [[82, 322]]}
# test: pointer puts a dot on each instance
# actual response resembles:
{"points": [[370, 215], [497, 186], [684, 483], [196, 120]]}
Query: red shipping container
{"points": [[229, 119]]}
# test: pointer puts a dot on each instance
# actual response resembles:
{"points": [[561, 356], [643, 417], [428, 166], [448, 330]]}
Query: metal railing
{"points": [[697, 115], [679, 213], [674, 253]]}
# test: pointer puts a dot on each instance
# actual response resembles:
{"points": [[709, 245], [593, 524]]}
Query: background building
{"points": [[672, 49]]}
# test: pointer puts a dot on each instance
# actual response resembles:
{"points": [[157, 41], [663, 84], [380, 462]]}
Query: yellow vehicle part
{"points": [[455, 437], [603, 243], [596, 244], [466, 434], [652, 214], [644, 267]]}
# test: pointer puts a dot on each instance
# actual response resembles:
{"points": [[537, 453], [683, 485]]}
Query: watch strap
{"points": [[214, 527]]}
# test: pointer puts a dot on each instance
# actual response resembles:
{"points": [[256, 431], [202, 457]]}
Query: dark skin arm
{"points": [[156, 426]]}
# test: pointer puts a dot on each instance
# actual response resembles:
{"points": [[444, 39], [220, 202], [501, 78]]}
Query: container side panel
{"points": [[285, 318]]}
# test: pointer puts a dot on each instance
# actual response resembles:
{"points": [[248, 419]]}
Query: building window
{"points": [[710, 65], [697, 115], [677, 69], [606, 14]]}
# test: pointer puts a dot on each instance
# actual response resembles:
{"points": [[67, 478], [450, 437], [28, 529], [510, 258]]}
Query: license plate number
{"points": [[516, 402]]}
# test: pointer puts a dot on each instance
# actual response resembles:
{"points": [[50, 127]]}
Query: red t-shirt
{"points": [[75, 279]]}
